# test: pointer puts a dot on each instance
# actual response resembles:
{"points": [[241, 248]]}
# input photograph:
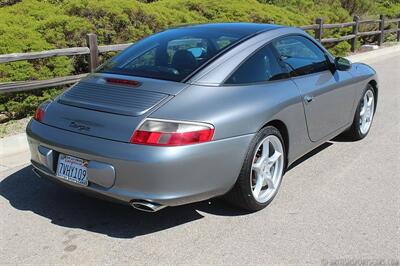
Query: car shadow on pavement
{"points": [[309, 155], [67, 208]]}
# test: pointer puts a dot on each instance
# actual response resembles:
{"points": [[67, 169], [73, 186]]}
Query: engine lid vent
{"points": [[117, 99]]}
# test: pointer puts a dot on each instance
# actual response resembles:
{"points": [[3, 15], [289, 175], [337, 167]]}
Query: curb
{"points": [[13, 145], [380, 54]]}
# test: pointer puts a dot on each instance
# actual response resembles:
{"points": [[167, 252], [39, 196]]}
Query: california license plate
{"points": [[72, 169]]}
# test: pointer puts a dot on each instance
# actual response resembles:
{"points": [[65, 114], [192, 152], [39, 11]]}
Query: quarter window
{"points": [[300, 55], [260, 67]]}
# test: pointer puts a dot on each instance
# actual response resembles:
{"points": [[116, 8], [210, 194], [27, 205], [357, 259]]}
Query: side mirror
{"points": [[342, 64]]}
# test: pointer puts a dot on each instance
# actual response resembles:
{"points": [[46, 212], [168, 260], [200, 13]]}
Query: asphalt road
{"points": [[340, 203]]}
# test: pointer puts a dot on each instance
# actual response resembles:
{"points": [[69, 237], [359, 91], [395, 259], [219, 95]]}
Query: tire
{"points": [[256, 167], [359, 129]]}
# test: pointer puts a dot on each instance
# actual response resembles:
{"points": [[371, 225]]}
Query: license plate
{"points": [[72, 169]]}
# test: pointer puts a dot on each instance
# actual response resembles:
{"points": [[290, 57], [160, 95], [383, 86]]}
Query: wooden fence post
{"points": [[382, 29], [91, 40], [356, 19], [318, 32], [398, 31]]}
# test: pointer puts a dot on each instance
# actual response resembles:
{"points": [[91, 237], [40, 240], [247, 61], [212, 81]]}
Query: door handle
{"points": [[309, 99]]}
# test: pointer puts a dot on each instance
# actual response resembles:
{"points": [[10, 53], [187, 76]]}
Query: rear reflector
{"points": [[123, 81], [172, 133]]}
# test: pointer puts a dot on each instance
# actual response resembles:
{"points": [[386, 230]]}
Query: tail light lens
{"points": [[172, 133], [39, 113]]}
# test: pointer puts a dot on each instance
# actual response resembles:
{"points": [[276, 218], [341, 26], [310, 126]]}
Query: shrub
{"points": [[341, 49], [24, 104]]}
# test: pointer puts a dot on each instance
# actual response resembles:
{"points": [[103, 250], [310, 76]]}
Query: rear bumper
{"points": [[165, 175]]}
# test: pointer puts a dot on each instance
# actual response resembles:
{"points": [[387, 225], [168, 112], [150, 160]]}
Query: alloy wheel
{"points": [[367, 111], [267, 168]]}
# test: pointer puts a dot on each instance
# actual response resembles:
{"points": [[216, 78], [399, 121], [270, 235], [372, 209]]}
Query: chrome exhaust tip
{"points": [[146, 206]]}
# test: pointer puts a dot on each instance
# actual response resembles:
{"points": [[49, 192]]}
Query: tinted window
{"points": [[224, 41], [300, 55], [174, 54], [261, 66]]}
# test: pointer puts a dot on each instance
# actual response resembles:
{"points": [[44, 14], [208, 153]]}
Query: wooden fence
{"points": [[93, 50]]}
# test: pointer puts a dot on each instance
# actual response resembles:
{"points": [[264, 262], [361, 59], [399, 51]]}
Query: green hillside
{"points": [[36, 25]]}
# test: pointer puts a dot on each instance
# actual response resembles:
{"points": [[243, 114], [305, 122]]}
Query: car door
{"points": [[327, 95]]}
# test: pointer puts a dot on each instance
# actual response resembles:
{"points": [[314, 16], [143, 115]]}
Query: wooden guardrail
{"points": [[93, 50], [319, 26]]}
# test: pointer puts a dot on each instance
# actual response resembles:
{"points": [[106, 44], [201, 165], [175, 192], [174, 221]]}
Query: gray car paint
{"points": [[108, 117], [332, 96], [178, 175]]}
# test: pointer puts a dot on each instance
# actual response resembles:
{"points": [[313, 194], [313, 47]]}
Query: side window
{"points": [[300, 55], [261, 66]]}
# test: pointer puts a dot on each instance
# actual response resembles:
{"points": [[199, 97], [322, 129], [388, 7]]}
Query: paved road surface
{"points": [[340, 202]]}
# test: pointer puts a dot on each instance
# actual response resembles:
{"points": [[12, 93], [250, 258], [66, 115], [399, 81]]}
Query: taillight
{"points": [[39, 113], [172, 133]]}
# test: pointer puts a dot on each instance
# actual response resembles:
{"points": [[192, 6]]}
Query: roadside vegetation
{"points": [[36, 25]]}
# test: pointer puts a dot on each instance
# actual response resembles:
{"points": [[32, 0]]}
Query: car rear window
{"points": [[173, 54]]}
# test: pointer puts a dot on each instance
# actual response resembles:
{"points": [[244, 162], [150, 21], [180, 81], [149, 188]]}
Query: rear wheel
{"points": [[363, 116], [262, 171]]}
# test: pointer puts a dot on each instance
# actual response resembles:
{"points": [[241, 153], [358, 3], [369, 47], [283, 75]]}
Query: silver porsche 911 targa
{"points": [[201, 111]]}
